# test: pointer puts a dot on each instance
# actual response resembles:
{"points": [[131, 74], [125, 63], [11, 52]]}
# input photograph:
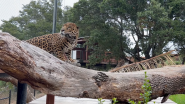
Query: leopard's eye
{"points": [[69, 28]]}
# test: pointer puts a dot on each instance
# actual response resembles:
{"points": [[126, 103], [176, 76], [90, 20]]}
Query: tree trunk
{"points": [[183, 60], [147, 55], [44, 72]]}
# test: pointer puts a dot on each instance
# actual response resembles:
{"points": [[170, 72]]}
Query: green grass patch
{"points": [[179, 98], [2, 84]]}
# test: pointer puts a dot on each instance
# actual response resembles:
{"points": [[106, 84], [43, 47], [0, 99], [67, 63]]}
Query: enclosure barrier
{"points": [[9, 97]]}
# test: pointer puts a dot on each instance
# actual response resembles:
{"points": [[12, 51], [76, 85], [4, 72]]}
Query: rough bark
{"points": [[50, 75]]}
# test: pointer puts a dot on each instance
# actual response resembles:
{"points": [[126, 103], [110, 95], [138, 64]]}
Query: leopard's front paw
{"points": [[74, 62]]}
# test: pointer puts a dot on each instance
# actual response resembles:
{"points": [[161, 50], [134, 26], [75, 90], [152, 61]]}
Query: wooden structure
{"points": [[83, 52], [154, 62]]}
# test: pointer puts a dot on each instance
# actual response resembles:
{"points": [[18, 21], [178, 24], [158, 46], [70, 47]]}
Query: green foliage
{"points": [[4, 86], [86, 13], [132, 102], [35, 19], [2, 83], [177, 63], [110, 25], [156, 22], [8, 26], [179, 98], [114, 100], [106, 45], [104, 37], [147, 92], [178, 15], [100, 101]]}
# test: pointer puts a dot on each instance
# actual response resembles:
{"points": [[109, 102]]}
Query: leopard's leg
{"points": [[72, 61], [61, 55], [68, 55]]}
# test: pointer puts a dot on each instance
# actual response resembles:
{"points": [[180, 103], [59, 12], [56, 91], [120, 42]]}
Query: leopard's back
{"points": [[51, 42], [44, 42], [59, 44]]}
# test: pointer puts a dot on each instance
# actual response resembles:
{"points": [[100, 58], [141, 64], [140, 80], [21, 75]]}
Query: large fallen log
{"points": [[44, 72]]}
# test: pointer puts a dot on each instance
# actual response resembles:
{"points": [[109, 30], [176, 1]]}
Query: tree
{"points": [[127, 20], [106, 44], [103, 37], [157, 25], [178, 15], [122, 14], [44, 72], [35, 19], [137, 17]]}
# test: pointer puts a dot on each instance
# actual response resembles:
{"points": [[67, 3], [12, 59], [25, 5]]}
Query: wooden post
{"points": [[86, 53], [50, 99], [21, 93]]}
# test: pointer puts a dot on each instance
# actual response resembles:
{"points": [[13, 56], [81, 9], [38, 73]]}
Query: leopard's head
{"points": [[70, 31]]}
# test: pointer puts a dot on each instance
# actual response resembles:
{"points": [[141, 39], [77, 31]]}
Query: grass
{"points": [[179, 98], [2, 84]]}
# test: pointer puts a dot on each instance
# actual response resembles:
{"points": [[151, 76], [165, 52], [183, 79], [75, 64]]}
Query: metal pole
{"points": [[54, 17], [50, 99], [21, 93], [34, 92], [10, 97]]}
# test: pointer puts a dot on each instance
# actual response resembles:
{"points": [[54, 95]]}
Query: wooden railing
{"points": [[154, 62]]}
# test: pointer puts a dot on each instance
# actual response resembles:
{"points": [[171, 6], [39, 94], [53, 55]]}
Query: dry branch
{"points": [[50, 75]]}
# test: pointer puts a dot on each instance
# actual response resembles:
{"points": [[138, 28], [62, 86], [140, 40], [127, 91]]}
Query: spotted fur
{"points": [[59, 44]]}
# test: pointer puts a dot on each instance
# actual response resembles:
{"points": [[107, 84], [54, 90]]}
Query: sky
{"points": [[9, 8]]}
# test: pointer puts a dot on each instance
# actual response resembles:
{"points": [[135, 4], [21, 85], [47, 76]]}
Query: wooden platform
{"points": [[70, 100]]}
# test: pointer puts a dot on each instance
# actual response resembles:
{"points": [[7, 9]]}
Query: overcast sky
{"points": [[9, 8]]}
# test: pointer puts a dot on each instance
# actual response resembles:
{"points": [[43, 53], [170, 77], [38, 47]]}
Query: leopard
{"points": [[59, 44]]}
